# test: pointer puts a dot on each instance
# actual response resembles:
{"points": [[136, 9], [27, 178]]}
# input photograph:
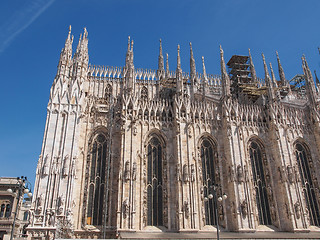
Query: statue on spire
{"points": [[224, 76], [160, 71], [268, 80], [167, 65], [252, 69], [273, 77], [160, 58], [205, 79], [310, 85], [179, 79], [192, 65]]}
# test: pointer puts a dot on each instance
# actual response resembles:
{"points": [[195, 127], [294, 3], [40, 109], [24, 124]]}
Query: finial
{"points": [[131, 45], [273, 77], [252, 68], [128, 43], [167, 65], [192, 64], [310, 84], [178, 58], [224, 76], [266, 72], [281, 72], [85, 34], [268, 80], [204, 68], [160, 58], [69, 29]]}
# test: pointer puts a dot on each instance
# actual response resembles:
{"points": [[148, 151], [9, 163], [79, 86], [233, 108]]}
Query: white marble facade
{"points": [[119, 141]]}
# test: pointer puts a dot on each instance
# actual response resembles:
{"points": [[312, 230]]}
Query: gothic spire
{"points": [[273, 77], [128, 52], [81, 54], [310, 86], [252, 69], [69, 40], [224, 76], [66, 53], [167, 65], [268, 80], [281, 72], [131, 53], [179, 72], [160, 58], [79, 43], [178, 59], [204, 70], [192, 64]]}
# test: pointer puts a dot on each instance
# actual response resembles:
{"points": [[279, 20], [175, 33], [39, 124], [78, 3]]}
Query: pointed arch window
{"points": [[257, 158], [97, 181], [309, 188], [154, 182], [209, 167]]}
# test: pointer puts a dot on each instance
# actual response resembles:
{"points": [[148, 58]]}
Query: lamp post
{"points": [[24, 187], [216, 199]]}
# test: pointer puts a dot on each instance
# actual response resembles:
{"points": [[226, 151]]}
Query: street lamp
{"points": [[24, 187], [215, 199]]}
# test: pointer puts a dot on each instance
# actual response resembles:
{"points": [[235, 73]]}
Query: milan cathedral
{"points": [[136, 150]]}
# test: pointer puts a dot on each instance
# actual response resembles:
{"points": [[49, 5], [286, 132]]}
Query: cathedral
{"points": [[130, 150]]}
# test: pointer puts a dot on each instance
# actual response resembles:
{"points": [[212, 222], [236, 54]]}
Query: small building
{"points": [[8, 204]]}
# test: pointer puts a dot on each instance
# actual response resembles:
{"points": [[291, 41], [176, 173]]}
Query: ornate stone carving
{"points": [[290, 174], [178, 172], [126, 174], [186, 209], [46, 163], [60, 204], [65, 170], [193, 173], [186, 177], [134, 171], [231, 174], [39, 202], [240, 175], [244, 208], [50, 217], [297, 209], [220, 213], [125, 208]]}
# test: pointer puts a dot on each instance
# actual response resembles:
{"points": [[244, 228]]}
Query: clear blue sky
{"points": [[32, 34]]}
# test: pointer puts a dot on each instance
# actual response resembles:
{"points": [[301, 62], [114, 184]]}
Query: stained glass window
{"points": [[97, 181], [154, 183], [259, 181], [309, 190], [208, 159]]}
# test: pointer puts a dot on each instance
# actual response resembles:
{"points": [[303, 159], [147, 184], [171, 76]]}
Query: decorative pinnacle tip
{"points": [[69, 28], [202, 58]]}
